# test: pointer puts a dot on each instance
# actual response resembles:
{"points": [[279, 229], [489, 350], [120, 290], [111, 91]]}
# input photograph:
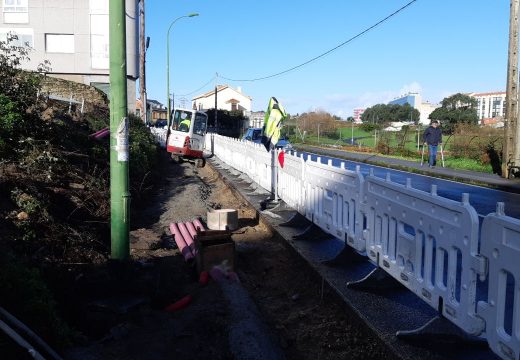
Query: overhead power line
{"points": [[328, 51], [200, 88]]}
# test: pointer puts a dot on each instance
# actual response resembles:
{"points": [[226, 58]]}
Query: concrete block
{"points": [[223, 219]]}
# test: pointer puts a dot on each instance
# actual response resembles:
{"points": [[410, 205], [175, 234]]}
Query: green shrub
{"points": [[143, 153], [98, 121], [10, 120], [18, 97], [369, 127], [15, 84], [10, 117], [479, 144]]}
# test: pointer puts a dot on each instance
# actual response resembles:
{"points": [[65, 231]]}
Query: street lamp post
{"points": [[168, 115]]}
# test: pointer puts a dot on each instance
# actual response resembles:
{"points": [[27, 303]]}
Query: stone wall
{"points": [[56, 87]]}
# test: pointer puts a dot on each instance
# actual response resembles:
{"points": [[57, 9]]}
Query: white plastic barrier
{"points": [[208, 142], [250, 166], [218, 144], [227, 153], [429, 244], [500, 244], [236, 161], [333, 200], [239, 156], [290, 182], [264, 167], [159, 135], [426, 242]]}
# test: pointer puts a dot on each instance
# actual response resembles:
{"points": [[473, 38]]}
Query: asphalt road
{"points": [[483, 199]]}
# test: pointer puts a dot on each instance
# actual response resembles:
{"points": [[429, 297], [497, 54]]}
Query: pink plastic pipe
{"points": [[181, 244], [102, 134], [191, 229], [187, 237], [198, 225], [99, 132]]}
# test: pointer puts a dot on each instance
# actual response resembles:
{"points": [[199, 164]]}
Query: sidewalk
{"points": [[465, 176]]}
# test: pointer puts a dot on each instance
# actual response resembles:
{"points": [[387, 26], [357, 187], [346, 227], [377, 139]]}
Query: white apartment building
{"points": [[425, 109], [490, 105], [415, 101], [227, 99], [73, 36]]}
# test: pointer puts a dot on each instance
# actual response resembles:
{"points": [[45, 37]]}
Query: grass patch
{"points": [[468, 164]]}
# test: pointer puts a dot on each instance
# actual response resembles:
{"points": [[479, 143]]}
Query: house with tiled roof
{"points": [[228, 98]]}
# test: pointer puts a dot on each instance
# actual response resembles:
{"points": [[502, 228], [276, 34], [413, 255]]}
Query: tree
{"points": [[458, 108], [373, 114], [20, 86], [309, 122], [382, 113], [350, 119], [18, 95]]}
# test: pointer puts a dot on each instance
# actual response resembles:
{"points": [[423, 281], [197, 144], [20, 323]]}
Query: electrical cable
{"points": [[203, 86], [328, 51]]}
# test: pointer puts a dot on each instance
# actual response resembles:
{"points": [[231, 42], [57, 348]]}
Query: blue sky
{"points": [[435, 47]]}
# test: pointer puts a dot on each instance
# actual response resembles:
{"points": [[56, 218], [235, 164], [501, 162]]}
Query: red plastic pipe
{"points": [[179, 304], [181, 243], [203, 278]]}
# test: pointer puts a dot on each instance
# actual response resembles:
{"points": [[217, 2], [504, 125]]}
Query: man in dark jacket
{"points": [[432, 137]]}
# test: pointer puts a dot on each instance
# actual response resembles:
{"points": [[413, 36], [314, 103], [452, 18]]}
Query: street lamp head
{"points": [[168, 61]]}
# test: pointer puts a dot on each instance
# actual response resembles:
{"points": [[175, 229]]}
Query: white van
{"points": [[187, 134]]}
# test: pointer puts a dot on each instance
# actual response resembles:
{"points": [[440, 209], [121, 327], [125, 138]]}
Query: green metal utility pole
{"points": [[119, 194]]}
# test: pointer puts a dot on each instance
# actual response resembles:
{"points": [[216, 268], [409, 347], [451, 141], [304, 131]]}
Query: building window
{"points": [[59, 43], [99, 48], [15, 11], [16, 6], [24, 36]]}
